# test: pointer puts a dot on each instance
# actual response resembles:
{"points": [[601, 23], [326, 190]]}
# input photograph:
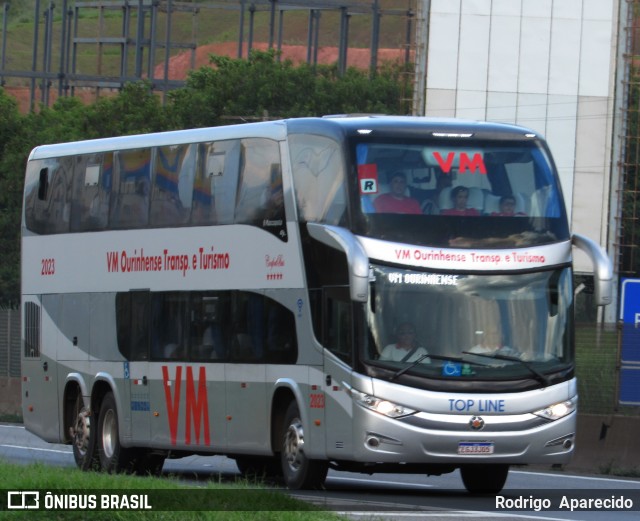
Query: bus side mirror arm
{"points": [[343, 240], [602, 268]]}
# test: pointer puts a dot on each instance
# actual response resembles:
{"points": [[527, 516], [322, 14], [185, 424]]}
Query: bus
{"points": [[358, 293]]}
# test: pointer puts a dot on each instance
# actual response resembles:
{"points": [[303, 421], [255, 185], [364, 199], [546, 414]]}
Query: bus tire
{"points": [[484, 479], [299, 472], [83, 438], [113, 457]]}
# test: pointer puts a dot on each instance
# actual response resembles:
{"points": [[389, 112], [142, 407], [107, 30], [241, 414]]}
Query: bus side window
{"points": [[133, 324], [281, 345], [319, 179], [130, 195], [207, 328], [247, 330], [223, 166], [338, 312], [209, 166], [169, 326], [53, 205], [172, 192], [90, 207], [260, 199], [263, 330], [36, 182]]}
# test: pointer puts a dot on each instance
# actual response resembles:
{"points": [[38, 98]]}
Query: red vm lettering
{"points": [[476, 163], [197, 404]]}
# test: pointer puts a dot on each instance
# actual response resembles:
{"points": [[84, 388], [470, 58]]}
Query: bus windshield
{"points": [[460, 193], [469, 327]]}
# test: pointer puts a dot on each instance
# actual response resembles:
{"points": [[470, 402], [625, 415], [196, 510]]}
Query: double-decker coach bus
{"points": [[369, 294]]}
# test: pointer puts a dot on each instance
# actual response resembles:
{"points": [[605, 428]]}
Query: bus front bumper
{"points": [[460, 439]]}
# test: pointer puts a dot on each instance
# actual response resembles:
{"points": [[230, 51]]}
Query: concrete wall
{"points": [[607, 444]]}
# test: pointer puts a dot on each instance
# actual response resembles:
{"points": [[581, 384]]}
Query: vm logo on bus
{"points": [[472, 164], [197, 404]]}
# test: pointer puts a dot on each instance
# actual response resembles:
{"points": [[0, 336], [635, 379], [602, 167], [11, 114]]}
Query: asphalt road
{"points": [[391, 496]]}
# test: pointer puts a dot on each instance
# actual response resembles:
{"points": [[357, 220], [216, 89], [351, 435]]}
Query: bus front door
{"points": [[339, 342]]}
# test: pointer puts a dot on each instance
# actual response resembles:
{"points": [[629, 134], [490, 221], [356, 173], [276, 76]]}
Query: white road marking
{"points": [[36, 448], [573, 476]]}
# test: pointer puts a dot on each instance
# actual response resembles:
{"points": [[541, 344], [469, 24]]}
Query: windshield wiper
{"points": [[411, 365], [497, 356]]}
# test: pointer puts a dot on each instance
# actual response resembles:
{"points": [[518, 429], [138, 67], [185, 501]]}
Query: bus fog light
{"points": [[558, 410], [384, 407], [373, 442]]}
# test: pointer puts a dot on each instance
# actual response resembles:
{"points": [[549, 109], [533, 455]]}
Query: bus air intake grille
{"points": [[492, 423]]}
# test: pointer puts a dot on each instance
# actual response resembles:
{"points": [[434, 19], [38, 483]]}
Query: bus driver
{"points": [[406, 348]]}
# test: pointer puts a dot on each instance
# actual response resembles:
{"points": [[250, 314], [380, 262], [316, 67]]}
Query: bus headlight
{"points": [[384, 407], [558, 410]]}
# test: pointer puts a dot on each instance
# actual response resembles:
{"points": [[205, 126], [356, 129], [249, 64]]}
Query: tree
{"points": [[238, 88], [135, 110], [11, 162]]}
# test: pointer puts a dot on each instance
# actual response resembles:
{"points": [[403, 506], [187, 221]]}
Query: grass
{"points": [[10, 418], [613, 469], [243, 501]]}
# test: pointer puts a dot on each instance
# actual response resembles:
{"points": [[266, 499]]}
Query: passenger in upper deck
{"points": [[507, 207], [430, 202], [460, 198], [397, 201]]}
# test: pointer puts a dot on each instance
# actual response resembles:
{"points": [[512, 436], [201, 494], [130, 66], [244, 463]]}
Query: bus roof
{"points": [[277, 130], [267, 129], [417, 125]]}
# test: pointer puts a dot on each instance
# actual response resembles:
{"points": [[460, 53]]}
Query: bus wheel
{"points": [[299, 472], [113, 457], [484, 479], [81, 437]]}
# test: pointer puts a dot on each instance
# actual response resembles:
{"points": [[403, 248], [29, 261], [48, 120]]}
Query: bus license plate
{"points": [[475, 447]]}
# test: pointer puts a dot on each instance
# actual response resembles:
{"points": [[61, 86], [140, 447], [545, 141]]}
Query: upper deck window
{"points": [[129, 207], [458, 193], [171, 194], [48, 198], [319, 177], [236, 181]]}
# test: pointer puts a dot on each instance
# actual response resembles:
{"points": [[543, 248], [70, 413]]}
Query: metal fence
{"points": [[9, 342], [132, 40]]}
